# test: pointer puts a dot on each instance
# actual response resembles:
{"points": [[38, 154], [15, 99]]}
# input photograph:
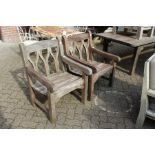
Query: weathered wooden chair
{"points": [[79, 47], [46, 74], [147, 108]]}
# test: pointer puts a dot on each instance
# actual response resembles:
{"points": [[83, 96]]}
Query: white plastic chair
{"points": [[24, 36], [148, 90]]}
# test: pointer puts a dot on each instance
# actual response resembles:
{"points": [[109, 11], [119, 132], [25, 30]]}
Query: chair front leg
{"points": [[52, 112], [85, 89], [142, 112], [91, 88], [32, 94], [111, 78]]}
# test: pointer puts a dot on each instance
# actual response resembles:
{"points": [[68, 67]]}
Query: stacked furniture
{"points": [[138, 30]]}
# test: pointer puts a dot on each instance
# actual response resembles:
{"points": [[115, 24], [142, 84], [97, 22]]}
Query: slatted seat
{"points": [[64, 80], [46, 74], [101, 66], [79, 48], [60, 82]]}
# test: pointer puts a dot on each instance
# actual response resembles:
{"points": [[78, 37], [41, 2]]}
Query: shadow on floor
{"points": [[20, 77], [116, 107]]}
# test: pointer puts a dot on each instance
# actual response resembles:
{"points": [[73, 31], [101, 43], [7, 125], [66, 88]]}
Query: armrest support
{"points": [[42, 79], [70, 62], [106, 54]]}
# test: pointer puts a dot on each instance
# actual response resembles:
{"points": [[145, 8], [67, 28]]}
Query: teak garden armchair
{"points": [[47, 76], [79, 48], [147, 109]]}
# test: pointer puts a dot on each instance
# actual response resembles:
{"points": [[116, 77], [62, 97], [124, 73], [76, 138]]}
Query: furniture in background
{"points": [[94, 29], [150, 32], [82, 28], [137, 30], [54, 31], [47, 76], [79, 48], [145, 45], [40, 36], [26, 35], [147, 108]]}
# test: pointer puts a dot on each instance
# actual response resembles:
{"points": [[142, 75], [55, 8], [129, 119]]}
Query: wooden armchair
{"points": [[79, 48], [46, 74], [147, 109]]}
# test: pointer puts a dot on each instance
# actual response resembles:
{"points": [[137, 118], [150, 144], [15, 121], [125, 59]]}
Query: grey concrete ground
{"points": [[113, 108]]}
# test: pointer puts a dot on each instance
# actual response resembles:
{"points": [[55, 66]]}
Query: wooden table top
{"points": [[129, 40], [54, 31]]}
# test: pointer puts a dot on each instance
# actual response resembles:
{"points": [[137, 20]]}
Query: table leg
{"points": [[105, 44], [137, 52]]}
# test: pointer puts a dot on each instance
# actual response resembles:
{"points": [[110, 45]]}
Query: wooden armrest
{"points": [[70, 62], [106, 54], [42, 79]]}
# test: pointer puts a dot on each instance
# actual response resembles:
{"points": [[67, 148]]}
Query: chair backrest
{"points": [[42, 56], [77, 45]]}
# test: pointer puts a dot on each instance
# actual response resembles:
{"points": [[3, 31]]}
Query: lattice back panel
{"points": [[45, 61], [79, 49], [43, 56], [78, 46]]}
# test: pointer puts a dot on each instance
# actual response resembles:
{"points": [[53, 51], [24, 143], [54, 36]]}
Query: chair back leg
{"points": [[52, 112], [85, 89], [32, 94], [111, 78], [91, 88], [142, 112]]}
